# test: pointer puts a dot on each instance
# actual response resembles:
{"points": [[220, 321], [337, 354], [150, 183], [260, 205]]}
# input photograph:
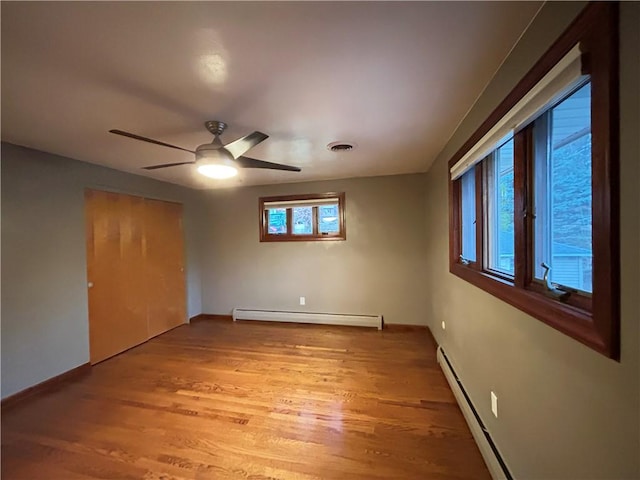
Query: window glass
{"points": [[500, 230], [468, 186], [563, 194], [277, 221], [328, 220], [302, 220]]}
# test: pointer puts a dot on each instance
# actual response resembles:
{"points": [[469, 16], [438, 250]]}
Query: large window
{"points": [[534, 216], [302, 218]]}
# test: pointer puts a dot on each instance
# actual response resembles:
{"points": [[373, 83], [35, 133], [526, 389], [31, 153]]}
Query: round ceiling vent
{"points": [[341, 146]]}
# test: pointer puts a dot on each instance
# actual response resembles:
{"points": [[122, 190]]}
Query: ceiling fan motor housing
{"points": [[214, 153]]}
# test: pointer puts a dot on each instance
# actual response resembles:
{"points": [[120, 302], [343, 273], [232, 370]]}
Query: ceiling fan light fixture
{"points": [[217, 170], [215, 162]]}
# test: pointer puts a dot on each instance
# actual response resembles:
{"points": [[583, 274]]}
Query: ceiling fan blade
{"points": [[246, 162], [165, 165], [242, 145], [149, 140]]}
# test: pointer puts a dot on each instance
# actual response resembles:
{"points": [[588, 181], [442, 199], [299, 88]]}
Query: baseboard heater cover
{"points": [[488, 449], [374, 321]]}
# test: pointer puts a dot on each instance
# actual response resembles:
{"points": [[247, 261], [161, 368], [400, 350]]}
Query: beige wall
{"points": [[379, 269], [565, 412]]}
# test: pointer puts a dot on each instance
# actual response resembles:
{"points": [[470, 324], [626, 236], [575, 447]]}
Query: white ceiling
{"points": [[394, 77]]}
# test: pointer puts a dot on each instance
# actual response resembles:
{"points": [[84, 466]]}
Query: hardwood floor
{"points": [[224, 400]]}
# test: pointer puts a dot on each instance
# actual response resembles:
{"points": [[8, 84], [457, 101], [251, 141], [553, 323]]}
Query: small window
{"points": [[328, 219], [277, 221], [302, 218]]}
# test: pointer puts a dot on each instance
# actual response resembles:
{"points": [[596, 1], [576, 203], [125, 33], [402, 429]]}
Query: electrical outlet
{"points": [[494, 404], [303, 301], [443, 325]]}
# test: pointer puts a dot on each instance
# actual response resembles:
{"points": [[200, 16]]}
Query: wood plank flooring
{"points": [[223, 400]]}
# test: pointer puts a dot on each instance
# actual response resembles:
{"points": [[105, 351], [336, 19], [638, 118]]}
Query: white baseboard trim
{"points": [[374, 321], [495, 464]]}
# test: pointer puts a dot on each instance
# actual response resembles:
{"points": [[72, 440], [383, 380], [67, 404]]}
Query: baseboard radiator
{"points": [[374, 321], [488, 449]]}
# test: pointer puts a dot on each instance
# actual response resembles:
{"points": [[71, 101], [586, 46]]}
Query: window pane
{"points": [[277, 221], [302, 220], [499, 232], [563, 225], [328, 220], [469, 215]]}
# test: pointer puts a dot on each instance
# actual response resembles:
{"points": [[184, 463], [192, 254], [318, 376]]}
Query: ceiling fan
{"points": [[215, 159]]}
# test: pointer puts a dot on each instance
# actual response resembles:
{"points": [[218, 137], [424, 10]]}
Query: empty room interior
{"points": [[320, 240]]}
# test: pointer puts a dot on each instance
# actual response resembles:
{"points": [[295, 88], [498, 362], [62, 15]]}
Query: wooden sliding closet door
{"points": [[116, 273], [135, 270], [166, 292]]}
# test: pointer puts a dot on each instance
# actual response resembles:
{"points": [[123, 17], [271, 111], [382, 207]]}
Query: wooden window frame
{"points": [[593, 321], [316, 235]]}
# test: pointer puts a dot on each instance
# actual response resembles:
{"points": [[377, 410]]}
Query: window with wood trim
{"points": [[302, 218], [533, 193]]}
